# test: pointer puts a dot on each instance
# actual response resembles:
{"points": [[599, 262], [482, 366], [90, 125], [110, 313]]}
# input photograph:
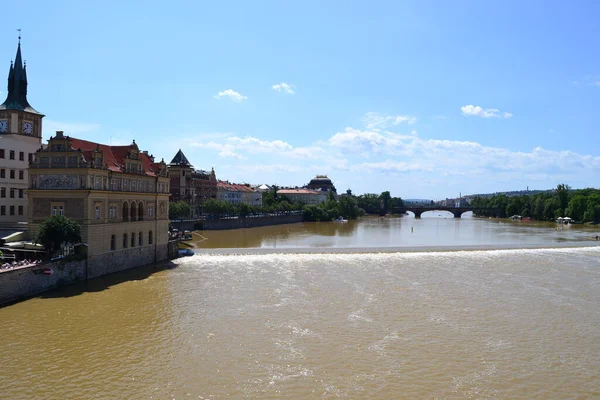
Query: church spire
{"points": [[17, 85]]}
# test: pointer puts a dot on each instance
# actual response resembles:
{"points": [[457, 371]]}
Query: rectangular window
{"points": [[12, 193], [2, 153], [30, 157], [3, 192], [12, 174], [57, 209], [12, 154], [112, 212], [20, 210], [151, 211], [2, 173], [21, 174], [97, 212], [21, 193], [21, 156], [12, 210], [2, 210]]}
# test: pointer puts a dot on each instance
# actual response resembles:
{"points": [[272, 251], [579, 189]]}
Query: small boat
{"points": [[340, 219]]}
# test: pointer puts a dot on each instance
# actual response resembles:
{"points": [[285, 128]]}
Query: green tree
{"points": [[562, 191], [348, 207], [369, 202], [386, 198], [577, 207], [179, 210], [56, 231]]}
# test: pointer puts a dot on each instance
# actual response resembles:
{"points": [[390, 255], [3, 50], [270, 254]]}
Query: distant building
{"points": [[20, 138], [194, 187], [118, 194], [322, 183], [239, 193], [304, 196], [263, 188]]}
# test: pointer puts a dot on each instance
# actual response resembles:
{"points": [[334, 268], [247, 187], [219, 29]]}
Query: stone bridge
{"points": [[457, 211]]}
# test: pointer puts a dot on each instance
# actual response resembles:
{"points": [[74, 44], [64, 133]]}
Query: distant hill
{"points": [[510, 193]]}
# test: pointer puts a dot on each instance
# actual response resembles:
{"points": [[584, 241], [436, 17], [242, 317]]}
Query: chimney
{"points": [[59, 135]]}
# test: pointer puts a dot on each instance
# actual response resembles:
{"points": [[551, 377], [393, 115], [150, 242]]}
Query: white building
{"points": [[20, 138], [237, 194], [304, 196]]}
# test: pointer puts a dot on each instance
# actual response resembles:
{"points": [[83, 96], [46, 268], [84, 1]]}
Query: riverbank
{"points": [[21, 283], [236, 222]]}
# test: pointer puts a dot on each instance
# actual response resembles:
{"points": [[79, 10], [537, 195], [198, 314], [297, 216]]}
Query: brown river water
{"points": [[309, 323]]}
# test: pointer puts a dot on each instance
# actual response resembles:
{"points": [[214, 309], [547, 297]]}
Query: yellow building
{"points": [[118, 195]]}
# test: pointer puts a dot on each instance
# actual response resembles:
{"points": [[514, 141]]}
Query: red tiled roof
{"points": [[234, 187], [114, 156]]}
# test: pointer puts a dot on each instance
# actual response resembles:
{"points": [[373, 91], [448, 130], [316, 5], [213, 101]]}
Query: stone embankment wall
{"points": [[236, 223], [22, 283]]}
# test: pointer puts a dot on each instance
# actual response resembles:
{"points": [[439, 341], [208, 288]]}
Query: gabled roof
{"points": [[115, 156], [180, 160]]}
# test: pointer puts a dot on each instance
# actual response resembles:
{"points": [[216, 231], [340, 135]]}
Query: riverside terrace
{"points": [[457, 211]]}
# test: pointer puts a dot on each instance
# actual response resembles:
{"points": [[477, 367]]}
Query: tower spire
{"points": [[17, 84]]}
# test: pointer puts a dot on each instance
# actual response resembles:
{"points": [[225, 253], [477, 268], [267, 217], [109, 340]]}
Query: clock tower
{"points": [[20, 138], [16, 115]]}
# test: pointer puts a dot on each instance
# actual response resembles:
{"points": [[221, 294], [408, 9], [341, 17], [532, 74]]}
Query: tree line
{"points": [[581, 205], [346, 206]]}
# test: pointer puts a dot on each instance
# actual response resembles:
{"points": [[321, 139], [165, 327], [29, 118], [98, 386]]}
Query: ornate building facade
{"points": [[118, 194], [194, 187], [20, 137]]}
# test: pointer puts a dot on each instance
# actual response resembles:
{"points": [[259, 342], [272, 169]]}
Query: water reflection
{"points": [[437, 228]]}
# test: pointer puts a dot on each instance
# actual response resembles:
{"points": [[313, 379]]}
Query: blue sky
{"points": [[423, 98]]}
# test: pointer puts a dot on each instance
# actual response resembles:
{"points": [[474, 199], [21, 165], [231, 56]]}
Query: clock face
{"points": [[27, 128], [3, 125]]}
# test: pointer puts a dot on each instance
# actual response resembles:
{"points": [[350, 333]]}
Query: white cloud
{"points": [[373, 120], [408, 165], [471, 110], [70, 128], [284, 88], [232, 94]]}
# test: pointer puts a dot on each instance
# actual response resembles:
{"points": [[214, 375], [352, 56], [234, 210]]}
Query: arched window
{"points": [[113, 243], [124, 240], [132, 239], [125, 212], [150, 237], [140, 239], [133, 211], [141, 211]]}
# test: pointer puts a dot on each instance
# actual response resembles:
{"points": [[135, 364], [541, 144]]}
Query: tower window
{"points": [[12, 154]]}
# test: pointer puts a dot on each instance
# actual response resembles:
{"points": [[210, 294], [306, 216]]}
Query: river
{"points": [[499, 323]]}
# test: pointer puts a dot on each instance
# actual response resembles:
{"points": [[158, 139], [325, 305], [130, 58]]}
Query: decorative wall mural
{"points": [[58, 182]]}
